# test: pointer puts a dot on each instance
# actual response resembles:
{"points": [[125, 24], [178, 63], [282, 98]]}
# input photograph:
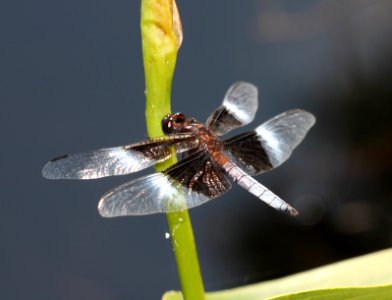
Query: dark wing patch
{"points": [[187, 184], [270, 144], [247, 152], [238, 109], [199, 174], [117, 160], [222, 121]]}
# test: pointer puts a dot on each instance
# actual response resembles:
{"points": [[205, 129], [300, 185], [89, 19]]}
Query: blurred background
{"points": [[71, 79]]}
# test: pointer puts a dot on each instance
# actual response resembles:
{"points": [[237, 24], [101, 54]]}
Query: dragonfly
{"points": [[208, 164]]}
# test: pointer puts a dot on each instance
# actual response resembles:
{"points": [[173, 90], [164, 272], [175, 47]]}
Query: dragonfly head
{"points": [[178, 123]]}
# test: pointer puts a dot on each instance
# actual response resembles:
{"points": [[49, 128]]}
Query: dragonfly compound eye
{"points": [[167, 124], [179, 118]]}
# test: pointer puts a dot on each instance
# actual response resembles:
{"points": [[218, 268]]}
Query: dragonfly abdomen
{"points": [[256, 188]]}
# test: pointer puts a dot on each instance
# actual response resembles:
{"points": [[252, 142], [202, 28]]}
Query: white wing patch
{"points": [[241, 100], [151, 194], [280, 135]]}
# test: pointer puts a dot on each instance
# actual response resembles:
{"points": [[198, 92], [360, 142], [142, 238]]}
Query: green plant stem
{"points": [[161, 38]]}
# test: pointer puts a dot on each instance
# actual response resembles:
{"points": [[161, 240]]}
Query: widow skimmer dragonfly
{"points": [[207, 162]]}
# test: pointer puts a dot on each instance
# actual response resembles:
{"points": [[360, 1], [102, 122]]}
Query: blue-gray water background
{"points": [[71, 79]]}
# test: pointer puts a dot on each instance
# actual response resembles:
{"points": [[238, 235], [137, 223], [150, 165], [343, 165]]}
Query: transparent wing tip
{"points": [[310, 117], [244, 84], [45, 173], [307, 116], [52, 169], [104, 209], [48, 171]]}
